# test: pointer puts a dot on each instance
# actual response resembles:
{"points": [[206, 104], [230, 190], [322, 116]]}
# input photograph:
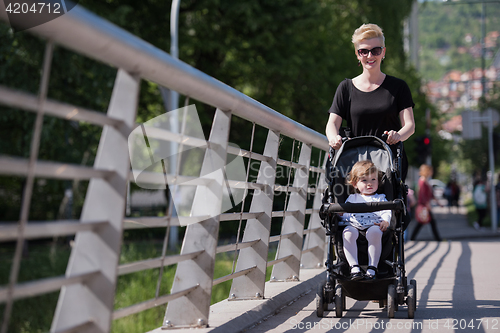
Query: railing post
{"points": [[252, 285], [193, 309], [314, 244], [292, 246], [93, 300]]}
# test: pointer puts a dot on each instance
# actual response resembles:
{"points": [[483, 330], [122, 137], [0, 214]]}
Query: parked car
{"points": [[438, 188]]}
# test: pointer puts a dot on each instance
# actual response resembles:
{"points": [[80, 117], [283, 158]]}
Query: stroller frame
{"points": [[391, 290]]}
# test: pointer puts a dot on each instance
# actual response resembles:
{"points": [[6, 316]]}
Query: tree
{"points": [[287, 54]]}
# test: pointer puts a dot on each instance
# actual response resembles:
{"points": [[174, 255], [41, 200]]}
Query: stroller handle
{"points": [[365, 207]]}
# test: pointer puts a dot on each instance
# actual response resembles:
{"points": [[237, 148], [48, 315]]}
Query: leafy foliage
{"points": [[450, 36], [444, 30]]}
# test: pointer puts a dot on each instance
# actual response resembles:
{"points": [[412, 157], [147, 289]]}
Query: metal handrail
{"points": [[142, 265], [38, 229], [232, 276], [29, 102], [120, 313], [44, 286], [56, 170], [90, 35]]}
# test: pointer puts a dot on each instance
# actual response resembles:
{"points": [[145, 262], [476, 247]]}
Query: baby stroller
{"points": [[390, 287]]}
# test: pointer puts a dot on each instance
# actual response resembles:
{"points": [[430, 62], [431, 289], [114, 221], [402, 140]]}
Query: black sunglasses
{"points": [[376, 51]]}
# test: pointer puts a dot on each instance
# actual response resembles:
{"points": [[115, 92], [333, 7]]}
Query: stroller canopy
{"points": [[359, 149]]}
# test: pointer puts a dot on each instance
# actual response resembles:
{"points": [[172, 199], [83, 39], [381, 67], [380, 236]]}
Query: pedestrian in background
{"points": [[411, 204], [497, 193], [452, 194], [425, 196], [480, 198]]}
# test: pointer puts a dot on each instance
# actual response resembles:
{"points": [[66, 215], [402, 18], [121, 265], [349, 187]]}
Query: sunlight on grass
{"points": [[35, 315]]}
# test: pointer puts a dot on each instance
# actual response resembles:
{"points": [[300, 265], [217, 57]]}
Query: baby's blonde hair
{"points": [[367, 31], [360, 169]]}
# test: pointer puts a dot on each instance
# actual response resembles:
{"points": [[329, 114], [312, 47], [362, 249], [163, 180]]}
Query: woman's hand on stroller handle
{"points": [[337, 142], [391, 137]]}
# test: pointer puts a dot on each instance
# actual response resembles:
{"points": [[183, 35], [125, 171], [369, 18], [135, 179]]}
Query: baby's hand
{"points": [[383, 225]]}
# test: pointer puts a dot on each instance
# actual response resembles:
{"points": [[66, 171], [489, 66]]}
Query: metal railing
{"points": [[88, 287]]}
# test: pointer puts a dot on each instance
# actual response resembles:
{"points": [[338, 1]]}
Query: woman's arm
{"points": [[407, 127], [332, 130], [407, 123]]}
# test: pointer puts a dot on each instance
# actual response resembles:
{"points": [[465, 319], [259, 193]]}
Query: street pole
{"points": [[428, 159], [174, 52], [413, 27], [174, 119], [491, 157], [483, 49]]}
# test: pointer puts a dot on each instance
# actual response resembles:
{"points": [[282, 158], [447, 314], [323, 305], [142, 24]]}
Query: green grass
{"points": [[35, 314]]}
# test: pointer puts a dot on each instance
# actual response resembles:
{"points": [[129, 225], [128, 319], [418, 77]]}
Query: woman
{"points": [[480, 198], [497, 191], [372, 103], [452, 194], [425, 196]]}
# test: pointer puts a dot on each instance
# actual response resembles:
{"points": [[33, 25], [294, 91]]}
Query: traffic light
{"points": [[427, 146], [422, 148]]}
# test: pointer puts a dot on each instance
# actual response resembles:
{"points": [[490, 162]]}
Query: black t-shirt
{"points": [[372, 113]]}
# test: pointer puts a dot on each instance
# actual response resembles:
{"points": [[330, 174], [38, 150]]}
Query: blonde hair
{"points": [[360, 169], [367, 31], [426, 170]]}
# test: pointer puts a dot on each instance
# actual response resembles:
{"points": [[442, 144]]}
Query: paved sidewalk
{"points": [[451, 226], [235, 316]]}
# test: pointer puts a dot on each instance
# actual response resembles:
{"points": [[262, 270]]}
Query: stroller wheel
{"points": [[339, 301], [391, 300], [320, 300], [399, 299], [411, 300], [414, 283]]}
